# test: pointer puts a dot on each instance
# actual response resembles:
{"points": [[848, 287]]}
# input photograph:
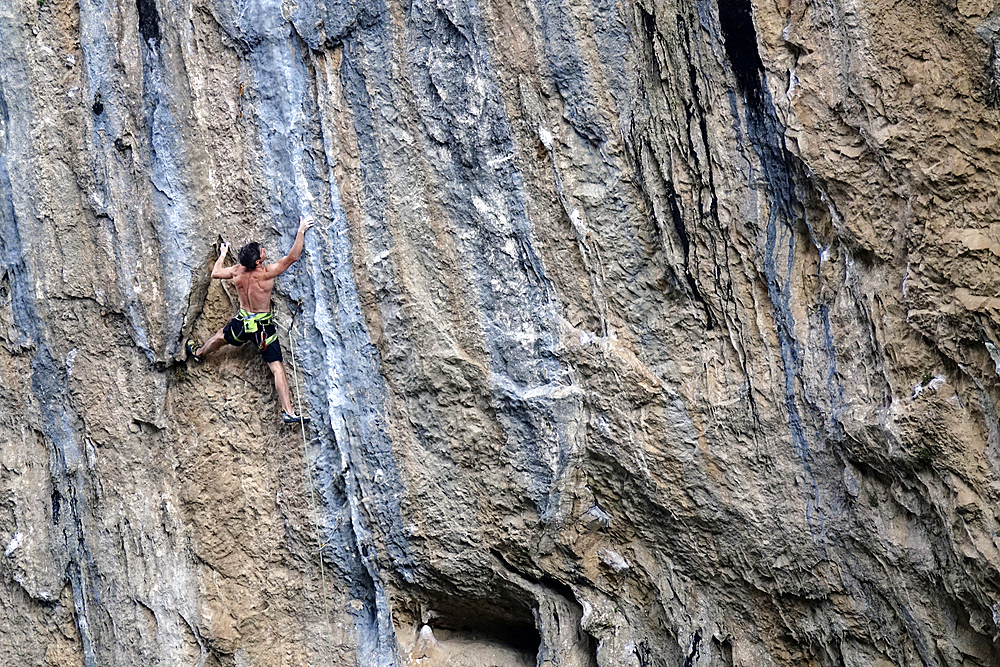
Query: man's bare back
{"points": [[254, 289]]}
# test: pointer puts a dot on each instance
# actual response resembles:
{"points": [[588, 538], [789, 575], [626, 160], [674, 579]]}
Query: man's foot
{"points": [[191, 349], [293, 419]]}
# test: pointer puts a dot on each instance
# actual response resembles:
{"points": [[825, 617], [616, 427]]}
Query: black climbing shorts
{"points": [[235, 335]]}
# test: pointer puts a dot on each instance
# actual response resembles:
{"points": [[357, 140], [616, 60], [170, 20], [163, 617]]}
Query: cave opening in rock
{"points": [[149, 20], [510, 624], [736, 20], [469, 631]]}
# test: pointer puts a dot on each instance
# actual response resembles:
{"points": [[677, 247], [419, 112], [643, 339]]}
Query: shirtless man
{"points": [[254, 282]]}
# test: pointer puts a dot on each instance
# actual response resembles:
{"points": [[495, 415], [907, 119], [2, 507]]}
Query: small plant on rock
{"points": [[925, 455]]}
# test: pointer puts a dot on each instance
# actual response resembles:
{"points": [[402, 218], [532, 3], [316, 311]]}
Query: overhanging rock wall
{"points": [[636, 333]]}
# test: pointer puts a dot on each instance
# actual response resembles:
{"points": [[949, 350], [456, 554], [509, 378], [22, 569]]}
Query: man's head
{"points": [[249, 255]]}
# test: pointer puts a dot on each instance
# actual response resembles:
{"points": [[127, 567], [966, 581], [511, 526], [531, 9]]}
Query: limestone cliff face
{"points": [[651, 332]]}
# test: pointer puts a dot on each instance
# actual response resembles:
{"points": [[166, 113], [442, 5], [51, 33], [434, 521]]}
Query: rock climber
{"points": [[254, 322]]}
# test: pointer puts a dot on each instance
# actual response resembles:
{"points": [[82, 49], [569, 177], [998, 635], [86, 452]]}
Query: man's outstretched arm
{"points": [[218, 271], [293, 255]]}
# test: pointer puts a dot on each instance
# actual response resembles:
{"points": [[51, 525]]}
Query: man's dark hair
{"points": [[249, 254]]}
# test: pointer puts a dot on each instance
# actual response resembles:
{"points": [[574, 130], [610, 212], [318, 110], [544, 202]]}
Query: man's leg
{"points": [[281, 384], [213, 343]]}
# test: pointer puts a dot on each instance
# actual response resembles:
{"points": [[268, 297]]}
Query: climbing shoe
{"points": [[293, 419], [191, 349]]}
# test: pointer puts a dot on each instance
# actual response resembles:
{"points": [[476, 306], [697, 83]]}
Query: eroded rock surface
{"points": [[641, 333]]}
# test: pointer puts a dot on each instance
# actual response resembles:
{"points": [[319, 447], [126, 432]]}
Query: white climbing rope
{"points": [[312, 490]]}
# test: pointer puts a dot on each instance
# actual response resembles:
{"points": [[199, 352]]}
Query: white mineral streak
{"points": [[652, 332], [613, 560], [13, 544]]}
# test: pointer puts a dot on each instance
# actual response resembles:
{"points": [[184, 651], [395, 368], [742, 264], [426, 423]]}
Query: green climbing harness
{"points": [[255, 323]]}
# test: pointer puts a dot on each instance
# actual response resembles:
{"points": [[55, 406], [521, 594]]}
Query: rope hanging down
{"points": [[312, 489]]}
